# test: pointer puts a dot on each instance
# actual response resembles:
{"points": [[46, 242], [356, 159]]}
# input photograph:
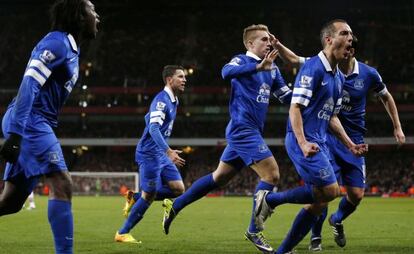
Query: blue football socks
{"points": [[300, 228], [345, 208], [299, 195], [61, 221], [260, 186], [137, 213], [198, 189]]}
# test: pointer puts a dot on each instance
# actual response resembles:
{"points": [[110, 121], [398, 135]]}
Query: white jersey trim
{"points": [[36, 75], [157, 113], [383, 91], [157, 120], [300, 100], [73, 43], [302, 91], [41, 66]]}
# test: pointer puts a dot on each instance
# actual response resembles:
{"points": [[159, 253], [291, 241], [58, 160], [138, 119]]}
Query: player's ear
{"points": [[168, 80], [250, 43], [328, 40]]}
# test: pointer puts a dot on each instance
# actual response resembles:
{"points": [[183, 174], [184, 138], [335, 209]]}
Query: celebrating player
{"points": [[254, 77], [360, 79], [159, 177], [316, 100], [31, 148]]}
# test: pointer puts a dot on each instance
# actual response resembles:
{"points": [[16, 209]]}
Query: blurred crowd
{"points": [[390, 170]]}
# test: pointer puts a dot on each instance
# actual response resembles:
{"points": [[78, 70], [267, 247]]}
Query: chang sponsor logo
{"points": [[72, 82], [167, 133], [264, 93], [346, 99], [326, 112]]}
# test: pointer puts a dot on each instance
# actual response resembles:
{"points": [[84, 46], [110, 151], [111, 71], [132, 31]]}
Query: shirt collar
{"points": [[325, 61], [252, 55], [170, 94], [355, 70], [356, 67], [73, 43]]}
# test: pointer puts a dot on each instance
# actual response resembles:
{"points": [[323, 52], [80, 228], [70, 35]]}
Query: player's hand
{"points": [[399, 136], [266, 64], [309, 149], [359, 150], [11, 148], [273, 40], [175, 158]]}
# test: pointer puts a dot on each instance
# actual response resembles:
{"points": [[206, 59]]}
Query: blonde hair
{"points": [[249, 32]]}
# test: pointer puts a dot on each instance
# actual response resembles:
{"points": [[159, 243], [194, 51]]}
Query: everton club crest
{"points": [[359, 84]]}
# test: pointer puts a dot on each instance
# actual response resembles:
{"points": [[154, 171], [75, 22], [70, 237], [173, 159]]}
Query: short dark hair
{"points": [[68, 15], [329, 29], [169, 71]]}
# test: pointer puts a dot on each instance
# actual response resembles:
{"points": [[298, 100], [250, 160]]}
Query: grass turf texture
{"points": [[212, 225]]}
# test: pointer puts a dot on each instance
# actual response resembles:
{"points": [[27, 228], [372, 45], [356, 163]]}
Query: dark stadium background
{"points": [[120, 72]]}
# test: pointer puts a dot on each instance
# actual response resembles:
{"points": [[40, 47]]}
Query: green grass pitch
{"points": [[212, 225]]}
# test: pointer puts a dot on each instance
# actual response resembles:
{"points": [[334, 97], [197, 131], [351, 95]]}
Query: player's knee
{"points": [[275, 177], [63, 189], [356, 197], [330, 194], [221, 180], [148, 196], [179, 190], [271, 177]]}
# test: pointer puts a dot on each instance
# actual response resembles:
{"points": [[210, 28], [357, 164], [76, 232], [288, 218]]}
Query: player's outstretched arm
{"points": [[391, 108], [287, 55], [339, 131], [237, 67]]}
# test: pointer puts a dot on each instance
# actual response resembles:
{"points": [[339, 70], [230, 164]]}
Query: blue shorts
{"points": [[349, 169], [246, 151], [315, 170], [40, 152], [155, 170]]}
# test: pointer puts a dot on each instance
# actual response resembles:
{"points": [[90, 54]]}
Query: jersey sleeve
{"points": [[302, 60], [279, 89], [157, 113], [305, 84], [377, 84], [46, 57], [236, 67]]}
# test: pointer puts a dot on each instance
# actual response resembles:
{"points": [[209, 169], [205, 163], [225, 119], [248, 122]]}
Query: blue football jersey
{"points": [[318, 89], [50, 75], [163, 111], [356, 87], [250, 94]]}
